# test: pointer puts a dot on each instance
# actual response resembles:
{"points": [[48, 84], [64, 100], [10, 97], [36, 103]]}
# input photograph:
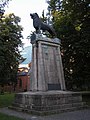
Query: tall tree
{"points": [[10, 40], [3, 3], [71, 20]]}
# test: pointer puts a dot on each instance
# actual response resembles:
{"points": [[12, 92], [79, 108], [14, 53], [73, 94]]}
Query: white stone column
{"points": [[61, 73], [34, 69], [41, 72]]}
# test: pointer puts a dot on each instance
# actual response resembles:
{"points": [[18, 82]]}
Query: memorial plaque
{"points": [[54, 87]]}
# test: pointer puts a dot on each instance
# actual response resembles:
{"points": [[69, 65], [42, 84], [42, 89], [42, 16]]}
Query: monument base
{"points": [[50, 102]]}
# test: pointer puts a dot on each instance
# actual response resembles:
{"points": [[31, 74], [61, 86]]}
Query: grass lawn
{"points": [[6, 99], [6, 117]]}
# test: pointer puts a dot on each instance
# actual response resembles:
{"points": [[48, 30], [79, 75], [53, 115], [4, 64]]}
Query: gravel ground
{"points": [[75, 115]]}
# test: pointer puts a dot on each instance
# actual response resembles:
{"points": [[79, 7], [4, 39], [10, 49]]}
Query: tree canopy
{"points": [[10, 40], [71, 19]]}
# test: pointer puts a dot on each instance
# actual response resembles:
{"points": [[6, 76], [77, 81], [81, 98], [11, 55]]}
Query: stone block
{"points": [[47, 71], [47, 102]]}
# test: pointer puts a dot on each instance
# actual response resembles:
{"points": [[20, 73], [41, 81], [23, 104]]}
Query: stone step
{"points": [[48, 102], [47, 112]]}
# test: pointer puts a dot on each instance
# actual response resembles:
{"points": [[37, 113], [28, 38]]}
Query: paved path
{"points": [[75, 115]]}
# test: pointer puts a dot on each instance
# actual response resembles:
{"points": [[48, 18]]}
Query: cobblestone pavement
{"points": [[75, 115]]}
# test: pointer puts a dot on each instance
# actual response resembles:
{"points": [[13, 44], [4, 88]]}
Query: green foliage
{"points": [[71, 21], [10, 41], [3, 3]]}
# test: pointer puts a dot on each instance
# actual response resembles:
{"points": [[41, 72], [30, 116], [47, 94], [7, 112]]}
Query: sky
{"points": [[23, 8]]}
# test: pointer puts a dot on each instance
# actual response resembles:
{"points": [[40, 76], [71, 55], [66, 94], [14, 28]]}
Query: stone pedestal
{"points": [[47, 71], [50, 102], [47, 82]]}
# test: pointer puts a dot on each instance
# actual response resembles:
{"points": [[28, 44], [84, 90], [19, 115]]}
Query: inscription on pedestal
{"points": [[54, 87]]}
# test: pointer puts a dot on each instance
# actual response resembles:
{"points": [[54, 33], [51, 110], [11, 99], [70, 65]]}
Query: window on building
{"points": [[20, 82]]}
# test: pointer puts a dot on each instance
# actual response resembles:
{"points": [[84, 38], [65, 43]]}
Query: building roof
{"points": [[23, 71]]}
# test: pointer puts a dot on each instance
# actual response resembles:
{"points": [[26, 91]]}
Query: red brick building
{"points": [[23, 75], [23, 79]]}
